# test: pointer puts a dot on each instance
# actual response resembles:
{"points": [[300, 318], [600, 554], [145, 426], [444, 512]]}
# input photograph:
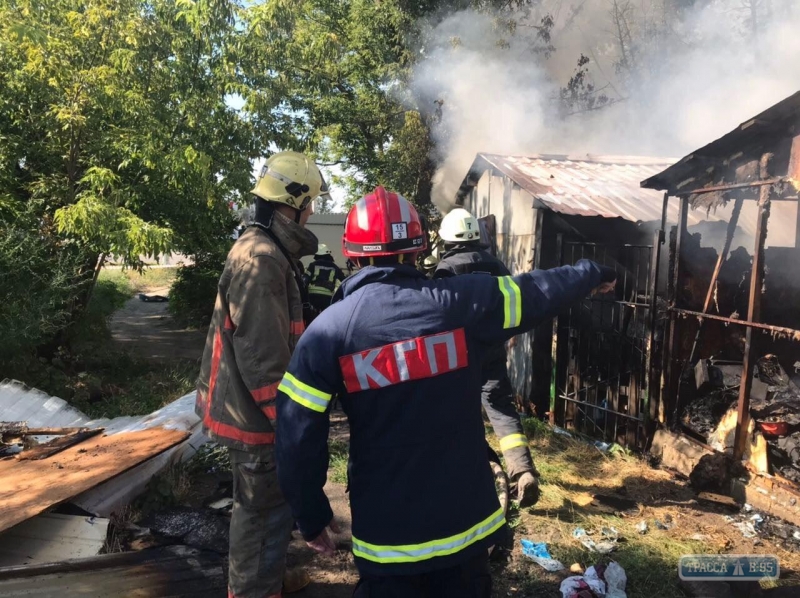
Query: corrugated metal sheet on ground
{"points": [[607, 186], [52, 537], [20, 403], [155, 573]]}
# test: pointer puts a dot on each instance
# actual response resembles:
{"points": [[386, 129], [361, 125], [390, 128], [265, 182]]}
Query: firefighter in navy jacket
{"points": [[404, 354]]}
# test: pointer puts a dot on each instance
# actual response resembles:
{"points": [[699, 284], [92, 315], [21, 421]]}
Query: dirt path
{"points": [[148, 330]]}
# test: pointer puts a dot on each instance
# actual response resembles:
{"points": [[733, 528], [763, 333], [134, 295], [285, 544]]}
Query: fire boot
{"points": [[527, 489], [295, 580]]}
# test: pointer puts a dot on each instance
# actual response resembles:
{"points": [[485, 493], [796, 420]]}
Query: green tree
{"points": [[115, 121], [344, 68]]}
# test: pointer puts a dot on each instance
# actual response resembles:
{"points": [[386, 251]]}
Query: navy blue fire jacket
{"points": [[404, 354]]}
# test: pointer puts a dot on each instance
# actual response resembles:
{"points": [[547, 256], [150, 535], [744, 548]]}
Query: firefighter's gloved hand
{"points": [[608, 280], [323, 543]]}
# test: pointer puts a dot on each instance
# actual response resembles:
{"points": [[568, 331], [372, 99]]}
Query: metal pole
{"points": [[554, 344], [753, 313], [670, 393], [655, 264]]}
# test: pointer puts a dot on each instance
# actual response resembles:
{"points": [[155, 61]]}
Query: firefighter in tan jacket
{"points": [[258, 317]]}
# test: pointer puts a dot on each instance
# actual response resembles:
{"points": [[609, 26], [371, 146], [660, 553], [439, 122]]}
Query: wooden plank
{"points": [[154, 573], [31, 487], [48, 449]]}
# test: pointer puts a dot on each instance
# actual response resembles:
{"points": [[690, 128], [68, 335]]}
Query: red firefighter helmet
{"points": [[382, 223]]}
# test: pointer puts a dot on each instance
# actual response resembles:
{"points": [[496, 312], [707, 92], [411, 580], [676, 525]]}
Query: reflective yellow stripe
{"points": [[319, 290], [513, 441], [302, 393], [411, 553], [512, 302]]}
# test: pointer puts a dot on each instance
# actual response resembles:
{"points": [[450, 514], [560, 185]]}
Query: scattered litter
{"points": [[153, 298], [757, 518], [747, 529], [616, 580], [538, 553], [747, 508], [576, 568], [602, 446], [221, 504], [642, 527], [796, 536], [666, 524], [728, 518], [606, 582], [608, 544], [561, 431]]}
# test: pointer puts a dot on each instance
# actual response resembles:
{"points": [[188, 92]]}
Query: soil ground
{"points": [[147, 329]]}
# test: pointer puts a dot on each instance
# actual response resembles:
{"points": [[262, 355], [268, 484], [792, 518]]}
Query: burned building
{"points": [[589, 369], [731, 354]]}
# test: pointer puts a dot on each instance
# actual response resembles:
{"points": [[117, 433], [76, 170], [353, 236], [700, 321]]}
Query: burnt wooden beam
{"points": [[723, 255], [753, 314]]}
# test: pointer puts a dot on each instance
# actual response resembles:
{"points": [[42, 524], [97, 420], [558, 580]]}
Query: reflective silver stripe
{"points": [[400, 357], [361, 214], [405, 213], [427, 550], [449, 341], [303, 394], [277, 175]]}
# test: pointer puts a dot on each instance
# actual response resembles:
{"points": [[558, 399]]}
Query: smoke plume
{"points": [[668, 76]]}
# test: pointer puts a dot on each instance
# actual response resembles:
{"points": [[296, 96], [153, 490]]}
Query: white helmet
{"points": [[459, 226], [322, 249]]}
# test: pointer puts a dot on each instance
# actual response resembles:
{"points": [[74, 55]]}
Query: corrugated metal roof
{"points": [[588, 185], [762, 133]]}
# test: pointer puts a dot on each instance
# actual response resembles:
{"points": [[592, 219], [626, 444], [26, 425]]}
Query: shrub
{"points": [[40, 285], [192, 296]]}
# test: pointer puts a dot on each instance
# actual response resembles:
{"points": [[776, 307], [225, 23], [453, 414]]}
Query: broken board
{"points": [[31, 487], [171, 571]]}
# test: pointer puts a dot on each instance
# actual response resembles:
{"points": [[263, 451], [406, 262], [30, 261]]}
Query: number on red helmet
{"points": [[382, 223]]}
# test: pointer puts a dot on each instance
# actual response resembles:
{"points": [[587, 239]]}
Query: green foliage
{"points": [[38, 284], [339, 455], [115, 121], [109, 295], [192, 296]]}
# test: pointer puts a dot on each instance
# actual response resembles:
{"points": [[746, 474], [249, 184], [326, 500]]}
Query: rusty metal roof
{"points": [[586, 185], [762, 133]]}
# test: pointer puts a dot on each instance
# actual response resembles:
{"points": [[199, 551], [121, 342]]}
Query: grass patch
{"points": [[338, 455], [572, 472], [96, 378], [139, 282]]}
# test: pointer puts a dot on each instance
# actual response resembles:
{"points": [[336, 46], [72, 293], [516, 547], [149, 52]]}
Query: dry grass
{"points": [[572, 473]]}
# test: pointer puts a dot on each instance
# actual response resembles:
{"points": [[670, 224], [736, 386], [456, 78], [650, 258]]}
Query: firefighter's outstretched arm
{"points": [[304, 397], [509, 305]]}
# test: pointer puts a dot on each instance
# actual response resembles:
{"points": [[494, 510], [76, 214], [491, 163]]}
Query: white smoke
{"points": [[700, 70]]}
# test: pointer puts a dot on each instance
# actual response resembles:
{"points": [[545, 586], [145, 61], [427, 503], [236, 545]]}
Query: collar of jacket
{"points": [[298, 241], [463, 248], [372, 274]]}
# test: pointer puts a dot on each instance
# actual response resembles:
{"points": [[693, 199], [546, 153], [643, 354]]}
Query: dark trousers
{"points": [[497, 397], [469, 580], [261, 528]]}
